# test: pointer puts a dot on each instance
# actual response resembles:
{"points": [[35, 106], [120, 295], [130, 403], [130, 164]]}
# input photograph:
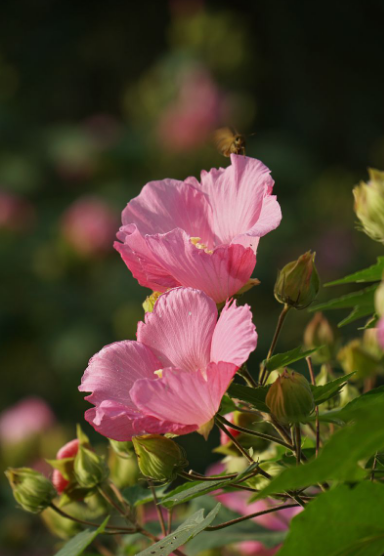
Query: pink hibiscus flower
{"points": [[201, 235], [173, 377]]}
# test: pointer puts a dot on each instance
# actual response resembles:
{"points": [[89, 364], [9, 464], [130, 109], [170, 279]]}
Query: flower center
{"points": [[196, 242], [159, 373]]}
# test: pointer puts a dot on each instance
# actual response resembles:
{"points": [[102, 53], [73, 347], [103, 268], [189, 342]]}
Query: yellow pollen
{"points": [[159, 373], [196, 242]]}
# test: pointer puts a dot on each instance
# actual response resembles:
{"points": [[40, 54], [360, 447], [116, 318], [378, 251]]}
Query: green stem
{"points": [[243, 371], [230, 435], [280, 322], [251, 460], [249, 516], [374, 468], [158, 509], [312, 375], [262, 435], [298, 443], [169, 521], [198, 477], [90, 523]]}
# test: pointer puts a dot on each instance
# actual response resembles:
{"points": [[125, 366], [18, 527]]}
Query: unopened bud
{"points": [[159, 458], [290, 398], [355, 357], [90, 469], [298, 282], [150, 301], [31, 489], [320, 334], [369, 205]]}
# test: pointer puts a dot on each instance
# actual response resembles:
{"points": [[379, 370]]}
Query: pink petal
{"points": [[219, 274], [235, 335], [168, 204], [188, 398], [237, 195], [119, 422], [112, 372], [180, 328], [269, 219], [69, 450], [142, 262]]}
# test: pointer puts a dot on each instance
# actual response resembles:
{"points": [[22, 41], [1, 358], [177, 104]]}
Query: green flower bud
{"points": [[89, 468], [31, 489], [150, 301], [369, 205], [298, 283], [159, 458], [355, 357], [124, 471], [290, 398], [379, 300], [320, 334]]}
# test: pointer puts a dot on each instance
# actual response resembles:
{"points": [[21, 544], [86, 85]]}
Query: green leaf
{"points": [[373, 273], [340, 522], [137, 495], [254, 396], [191, 490], [361, 302], [187, 530], [78, 544], [284, 359], [338, 459], [346, 413], [227, 405], [323, 393]]}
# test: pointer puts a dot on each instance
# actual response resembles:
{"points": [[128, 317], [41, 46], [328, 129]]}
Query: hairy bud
{"points": [[290, 398], [159, 458], [298, 282], [31, 489]]}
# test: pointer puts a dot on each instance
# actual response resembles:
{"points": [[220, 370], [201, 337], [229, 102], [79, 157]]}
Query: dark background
{"points": [[83, 89]]}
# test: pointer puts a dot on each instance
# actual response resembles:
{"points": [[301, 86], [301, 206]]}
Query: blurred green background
{"points": [[98, 98]]}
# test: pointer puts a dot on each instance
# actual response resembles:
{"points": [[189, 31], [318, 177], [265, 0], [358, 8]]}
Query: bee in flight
{"points": [[229, 141]]}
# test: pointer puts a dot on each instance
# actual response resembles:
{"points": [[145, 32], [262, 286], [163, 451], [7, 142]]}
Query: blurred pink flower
{"points": [[88, 225], [380, 332], [69, 450], [104, 129], [28, 417], [202, 235], [172, 379], [276, 521], [188, 121], [16, 213]]}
